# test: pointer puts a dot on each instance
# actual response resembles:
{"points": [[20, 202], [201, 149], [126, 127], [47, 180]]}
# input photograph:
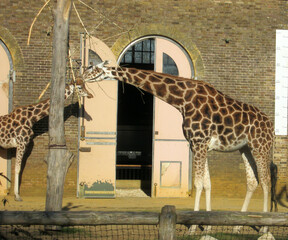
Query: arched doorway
{"points": [[130, 139], [6, 76], [147, 128], [135, 121]]}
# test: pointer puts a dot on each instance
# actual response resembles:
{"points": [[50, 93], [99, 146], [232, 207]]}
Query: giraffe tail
{"points": [[273, 172]]}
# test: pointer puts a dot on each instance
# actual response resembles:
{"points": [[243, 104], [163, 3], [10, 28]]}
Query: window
{"points": [[169, 66], [140, 53], [93, 58]]}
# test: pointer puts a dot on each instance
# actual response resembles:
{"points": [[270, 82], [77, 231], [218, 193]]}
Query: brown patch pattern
{"points": [[16, 129], [209, 114]]}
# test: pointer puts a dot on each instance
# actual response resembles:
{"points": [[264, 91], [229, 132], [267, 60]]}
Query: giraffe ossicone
{"points": [[16, 127], [211, 121]]}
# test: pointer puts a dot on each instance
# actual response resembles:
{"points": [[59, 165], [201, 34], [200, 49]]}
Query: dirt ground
{"points": [[36, 203]]}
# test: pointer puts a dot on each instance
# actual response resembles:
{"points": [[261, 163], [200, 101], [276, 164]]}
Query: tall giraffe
{"points": [[211, 121], [16, 127]]}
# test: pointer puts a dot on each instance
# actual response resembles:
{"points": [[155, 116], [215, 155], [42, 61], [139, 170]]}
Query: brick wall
{"points": [[243, 66]]}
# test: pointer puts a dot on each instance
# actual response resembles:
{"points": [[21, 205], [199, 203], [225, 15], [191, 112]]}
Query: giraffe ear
{"points": [[89, 67], [102, 64], [106, 62]]}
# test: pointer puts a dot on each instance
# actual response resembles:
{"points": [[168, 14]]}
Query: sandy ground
{"points": [[129, 203]]}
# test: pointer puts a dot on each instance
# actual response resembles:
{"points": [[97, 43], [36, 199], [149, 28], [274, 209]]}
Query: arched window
{"points": [[142, 54]]}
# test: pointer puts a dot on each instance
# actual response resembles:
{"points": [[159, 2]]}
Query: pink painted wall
{"points": [[98, 165], [171, 150], [4, 93]]}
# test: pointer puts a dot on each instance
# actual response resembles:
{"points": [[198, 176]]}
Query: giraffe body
{"points": [[16, 127], [211, 121]]}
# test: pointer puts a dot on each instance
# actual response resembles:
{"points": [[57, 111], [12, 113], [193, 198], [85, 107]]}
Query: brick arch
{"points": [[8, 39], [169, 32]]}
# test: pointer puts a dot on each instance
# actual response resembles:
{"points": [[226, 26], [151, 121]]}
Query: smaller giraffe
{"points": [[16, 127], [211, 121]]}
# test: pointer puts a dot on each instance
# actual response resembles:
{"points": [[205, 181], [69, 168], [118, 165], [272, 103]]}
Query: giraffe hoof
{"points": [[208, 229], [18, 199], [192, 229], [263, 230], [237, 229]]}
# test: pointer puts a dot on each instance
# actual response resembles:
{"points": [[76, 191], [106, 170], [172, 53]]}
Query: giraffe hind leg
{"points": [[263, 168], [274, 173], [251, 178], [251, 175], [264, 176]]}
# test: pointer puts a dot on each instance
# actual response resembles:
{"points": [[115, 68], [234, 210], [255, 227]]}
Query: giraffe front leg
{"points": [[202, 176], [198, 183], [19, 156], [207, 186], [202, 180]]}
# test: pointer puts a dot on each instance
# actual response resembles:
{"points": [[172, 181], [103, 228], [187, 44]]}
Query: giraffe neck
{"points": [[35, 112], [166, 87]]}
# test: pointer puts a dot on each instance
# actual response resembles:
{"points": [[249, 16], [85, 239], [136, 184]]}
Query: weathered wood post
{"points": [[167, 225], [59, 158]]}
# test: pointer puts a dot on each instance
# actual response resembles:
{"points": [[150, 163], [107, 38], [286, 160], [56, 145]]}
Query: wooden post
{"points": [[167, 225], [59, 158]]}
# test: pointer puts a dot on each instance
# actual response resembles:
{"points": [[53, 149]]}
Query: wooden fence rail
{"points": [[78, 218], [225, 218], [167, 219], [145, 218]]}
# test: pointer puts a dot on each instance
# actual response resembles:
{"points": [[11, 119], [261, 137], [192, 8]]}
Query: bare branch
{"points": [[42, 93], [116, 35], [2, 175], [103, 16], [78, 15], [105, 92], [30, 30], [74, 79]]}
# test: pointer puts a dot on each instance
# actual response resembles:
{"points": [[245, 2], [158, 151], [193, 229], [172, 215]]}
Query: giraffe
{"points": [[211, 121], [16, 127]]}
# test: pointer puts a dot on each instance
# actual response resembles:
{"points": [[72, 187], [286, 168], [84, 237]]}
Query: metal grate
{"points": [[107, 232], [169, 224], [137, 232]]}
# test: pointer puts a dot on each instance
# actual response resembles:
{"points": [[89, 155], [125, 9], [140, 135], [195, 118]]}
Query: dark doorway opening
{"points": [[135, 123]]}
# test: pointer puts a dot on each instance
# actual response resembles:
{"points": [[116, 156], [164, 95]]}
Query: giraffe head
{"points": [[81, 88], [97, 73]]}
